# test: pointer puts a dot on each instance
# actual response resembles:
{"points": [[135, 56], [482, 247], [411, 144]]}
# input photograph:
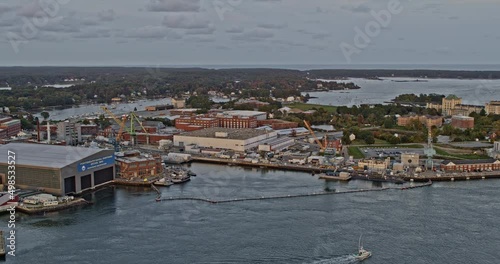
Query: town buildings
{"points": [[452, 105], [493, 107], [426, 120]]}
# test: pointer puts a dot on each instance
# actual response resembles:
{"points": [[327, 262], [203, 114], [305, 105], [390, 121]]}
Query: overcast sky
{"points": [[232, 32]]}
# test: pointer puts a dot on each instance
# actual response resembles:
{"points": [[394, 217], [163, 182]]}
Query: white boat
{"points": [[362, 253]]}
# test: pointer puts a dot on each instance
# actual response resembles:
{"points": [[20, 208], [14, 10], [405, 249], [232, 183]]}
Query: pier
{"points": [[159, 198]]}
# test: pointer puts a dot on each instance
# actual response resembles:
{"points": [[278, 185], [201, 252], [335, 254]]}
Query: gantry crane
{"points": [[322, 147], [121, 123], [133, 117]]}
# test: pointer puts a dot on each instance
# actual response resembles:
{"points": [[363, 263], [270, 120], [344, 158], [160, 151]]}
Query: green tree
{"points": [[45, 115], [370, 140]]}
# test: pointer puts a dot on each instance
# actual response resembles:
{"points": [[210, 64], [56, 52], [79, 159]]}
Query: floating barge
{"points": [[45, 209]]}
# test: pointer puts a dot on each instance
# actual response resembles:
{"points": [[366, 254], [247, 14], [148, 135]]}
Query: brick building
{"points": [[426, 120], [133, 164], [11, 126], [237, 121], [470, 165], [462, 122], [277, 124], [201, 121]]}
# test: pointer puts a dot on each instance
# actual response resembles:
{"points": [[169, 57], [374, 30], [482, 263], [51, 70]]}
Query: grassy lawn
{"points": [[443, 153], [305, 107], [356, 153]]}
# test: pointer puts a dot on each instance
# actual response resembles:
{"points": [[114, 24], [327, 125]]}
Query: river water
{"points": [[476, 92], [445, 223]]}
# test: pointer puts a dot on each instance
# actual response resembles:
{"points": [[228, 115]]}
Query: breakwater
{"points": [[159, 198]]}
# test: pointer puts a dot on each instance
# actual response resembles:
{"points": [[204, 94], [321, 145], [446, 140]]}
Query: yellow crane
{"points": [[322, 147], [121, 122]]}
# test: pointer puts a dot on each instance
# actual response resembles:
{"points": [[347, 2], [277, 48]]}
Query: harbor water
{"points": [[476, 92], [455, 222]]}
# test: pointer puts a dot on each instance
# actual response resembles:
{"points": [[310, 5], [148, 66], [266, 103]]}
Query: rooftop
{"points": [[244, 113], [452, 97], [461, 162], [240, 134], [41, 155]]}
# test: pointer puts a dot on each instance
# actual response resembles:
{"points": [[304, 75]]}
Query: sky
{"points": [[248, 32]]}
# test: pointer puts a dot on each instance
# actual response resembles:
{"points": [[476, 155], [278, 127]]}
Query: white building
{"points": [[277, 144], [225, 138], [244, 113]]}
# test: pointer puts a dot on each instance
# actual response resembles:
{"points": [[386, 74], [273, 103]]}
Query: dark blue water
{"points": [[446, 223]]}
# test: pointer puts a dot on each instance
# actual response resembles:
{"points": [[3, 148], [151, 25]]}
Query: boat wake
{"points": [[347, 259]]}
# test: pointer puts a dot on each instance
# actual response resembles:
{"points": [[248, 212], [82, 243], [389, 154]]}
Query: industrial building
{"points": [[471, 165], [373, 164], [277, 124], [462, 122], [133, 164], [9, 127], [225, 138], [154, 108], [58, 170], [244, 113], [277, 144]]}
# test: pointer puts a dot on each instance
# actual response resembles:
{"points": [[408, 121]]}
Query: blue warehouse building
{"points": [[59, 170]]}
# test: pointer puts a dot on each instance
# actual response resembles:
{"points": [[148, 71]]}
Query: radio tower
{"points": [[429, 150]]}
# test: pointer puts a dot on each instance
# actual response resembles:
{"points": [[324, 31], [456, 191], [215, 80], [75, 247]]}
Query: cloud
{"points": [[186, 21], [107, 15], [151, 32], [357, 9], [272, 26], [235, 29], [98, 33], [5, 8], [173, 6], [256, 34]]}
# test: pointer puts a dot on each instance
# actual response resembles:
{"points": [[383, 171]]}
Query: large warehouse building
{"points": [[225, 138], [58, 170]]}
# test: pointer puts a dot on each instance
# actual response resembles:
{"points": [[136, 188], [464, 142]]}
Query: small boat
{"points": [[342, 176], [191, 174], [163, 182], [362, 253], [180, 179]]}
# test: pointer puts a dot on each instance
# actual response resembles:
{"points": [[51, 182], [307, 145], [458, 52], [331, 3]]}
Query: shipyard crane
{"points": [[121, 123], [133, 117], [322, 147]]}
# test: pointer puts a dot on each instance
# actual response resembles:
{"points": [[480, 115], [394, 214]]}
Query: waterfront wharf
{"points": [[273, 166], [450, 176], [206, 200]]}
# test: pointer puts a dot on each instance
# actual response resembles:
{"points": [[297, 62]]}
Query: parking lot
{"points": [[389, 152]]}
